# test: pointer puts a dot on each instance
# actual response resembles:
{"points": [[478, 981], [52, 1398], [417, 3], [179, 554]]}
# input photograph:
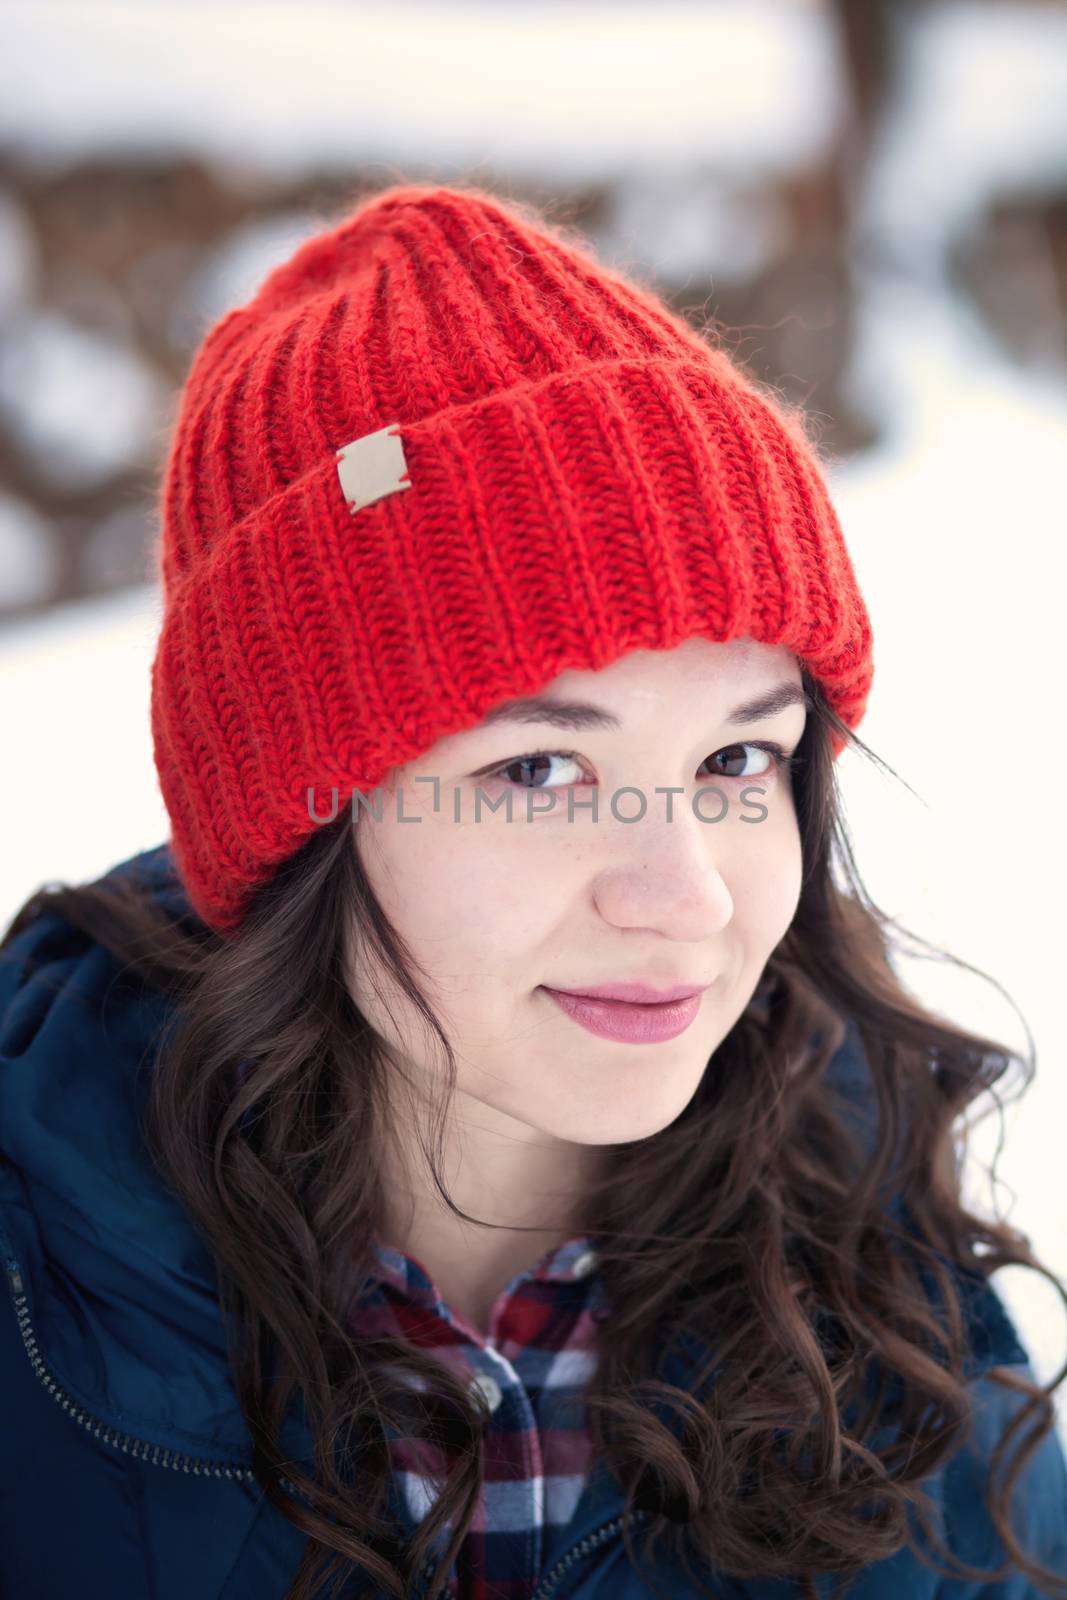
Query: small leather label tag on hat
{"points": [[372, 467]]}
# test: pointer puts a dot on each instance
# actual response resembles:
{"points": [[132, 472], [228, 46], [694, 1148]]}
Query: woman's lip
{"points": [[637, 993], [626, 1020]]}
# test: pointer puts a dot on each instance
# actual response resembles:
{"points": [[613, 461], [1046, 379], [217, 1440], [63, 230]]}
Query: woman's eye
{"points": [[734, 754], [538, 764]]}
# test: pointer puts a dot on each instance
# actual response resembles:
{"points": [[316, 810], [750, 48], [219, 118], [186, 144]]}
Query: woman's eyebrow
{"points": [[572, 714]]}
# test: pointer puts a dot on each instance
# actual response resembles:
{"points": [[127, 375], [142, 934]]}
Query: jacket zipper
{"points": [[198, 1466], [201, 1466], [550, 1582]]}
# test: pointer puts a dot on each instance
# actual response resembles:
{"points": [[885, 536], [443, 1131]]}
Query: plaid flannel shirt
{"points": [[532, 1370]]}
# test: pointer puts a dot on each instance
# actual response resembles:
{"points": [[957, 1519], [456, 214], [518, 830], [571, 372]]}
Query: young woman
{"points": [[487, 1150]]}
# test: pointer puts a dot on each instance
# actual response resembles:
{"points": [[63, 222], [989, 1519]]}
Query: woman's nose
{"points": [[667, 876]]}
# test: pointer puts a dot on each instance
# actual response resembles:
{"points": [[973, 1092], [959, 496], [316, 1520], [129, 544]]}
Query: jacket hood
{"points": [[115, 1289]]}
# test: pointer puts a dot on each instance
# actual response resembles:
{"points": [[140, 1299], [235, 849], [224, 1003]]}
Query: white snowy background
{"points": [[956, 524]]}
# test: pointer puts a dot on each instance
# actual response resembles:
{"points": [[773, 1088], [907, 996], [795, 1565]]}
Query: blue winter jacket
{"points": [[125, 1463]]}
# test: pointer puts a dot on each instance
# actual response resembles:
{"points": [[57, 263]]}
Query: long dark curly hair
{"points": [[755, 1215]]}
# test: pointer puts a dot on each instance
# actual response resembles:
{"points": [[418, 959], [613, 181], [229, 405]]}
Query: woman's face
{"points": [[499, 911]]}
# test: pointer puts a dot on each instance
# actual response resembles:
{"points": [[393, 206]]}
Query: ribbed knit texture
{"points": [[588, 476]]}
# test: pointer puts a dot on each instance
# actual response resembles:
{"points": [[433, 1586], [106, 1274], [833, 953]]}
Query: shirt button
{"points": [[584, 1264], [488, 1387]]}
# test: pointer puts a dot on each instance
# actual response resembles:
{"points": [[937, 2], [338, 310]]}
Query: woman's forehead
{"points": [[697, 673], [699, 660]]}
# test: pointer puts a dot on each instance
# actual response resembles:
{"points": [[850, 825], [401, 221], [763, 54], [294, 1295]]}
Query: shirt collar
{"points": [[573, 1261]]}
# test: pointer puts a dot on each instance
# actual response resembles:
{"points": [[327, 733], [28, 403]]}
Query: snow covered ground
{"points": [[955, 525]]}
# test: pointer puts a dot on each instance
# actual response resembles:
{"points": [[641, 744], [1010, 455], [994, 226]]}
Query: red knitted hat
{"points": [[440, 457]]}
